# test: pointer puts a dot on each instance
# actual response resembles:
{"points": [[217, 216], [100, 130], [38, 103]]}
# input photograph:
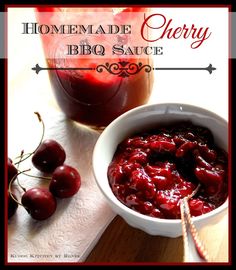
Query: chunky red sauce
{"points": [[150, 172]]}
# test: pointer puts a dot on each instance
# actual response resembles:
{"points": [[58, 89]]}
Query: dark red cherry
{"points": [[145, 207], [65, 182], [156, 213], [12, 205], [48, 156], [39, 202], [115, 173], [168, 204], [12, 171], [198, 207]]}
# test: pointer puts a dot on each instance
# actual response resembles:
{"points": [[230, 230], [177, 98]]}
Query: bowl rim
{"points": [[115, 201]]}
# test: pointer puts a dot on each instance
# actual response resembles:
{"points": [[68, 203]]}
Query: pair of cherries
{"points": [[65, 181]]}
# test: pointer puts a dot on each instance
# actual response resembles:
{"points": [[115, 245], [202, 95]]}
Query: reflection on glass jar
{"points": [[109, 87]]}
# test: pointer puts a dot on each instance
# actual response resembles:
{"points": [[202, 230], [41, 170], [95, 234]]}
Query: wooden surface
{"points": [[121, 243]]}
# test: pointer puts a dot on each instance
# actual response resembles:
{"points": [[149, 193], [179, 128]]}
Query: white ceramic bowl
{"points": [[139, 119]]}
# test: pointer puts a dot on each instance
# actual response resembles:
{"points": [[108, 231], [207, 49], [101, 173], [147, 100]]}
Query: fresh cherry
{"points": [[12, 205], [48, 156], [65, 182], [12, 171], [39, 202]]}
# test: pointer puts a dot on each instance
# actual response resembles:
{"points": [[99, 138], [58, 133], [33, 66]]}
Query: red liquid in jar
{"points": [[95, 99], [90, 97]]}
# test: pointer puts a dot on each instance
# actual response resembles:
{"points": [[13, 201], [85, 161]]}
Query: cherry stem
{"points": [[18, 182], [38, 177], [10, 184], [30, 154]]}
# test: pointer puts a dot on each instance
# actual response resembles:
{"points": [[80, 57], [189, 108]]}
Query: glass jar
{"points": [[94, 90]]}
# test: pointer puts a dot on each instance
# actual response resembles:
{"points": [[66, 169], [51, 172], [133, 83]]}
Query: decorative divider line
{"points": [[123, 68]]}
